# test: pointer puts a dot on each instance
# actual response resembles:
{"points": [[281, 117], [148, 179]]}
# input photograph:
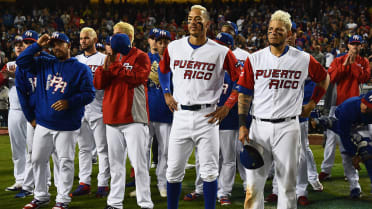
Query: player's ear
{"points": [[95, 40], [289, 34], [69, 45]]}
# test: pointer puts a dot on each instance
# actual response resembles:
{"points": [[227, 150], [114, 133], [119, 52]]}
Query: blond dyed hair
{"points": [[283, 17], [125, 28], [201, 8], [92, 33]]}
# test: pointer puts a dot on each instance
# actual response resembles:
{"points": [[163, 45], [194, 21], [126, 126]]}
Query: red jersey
{"points": [[348, 77], [124, 83]]}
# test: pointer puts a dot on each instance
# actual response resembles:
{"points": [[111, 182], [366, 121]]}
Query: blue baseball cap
{"points": [[225, 39], [121, 43], [153, 32], [100, 46], [60, 36], [108, 40], [294, 26], [232, 25], [163, 34], [30, 35], [18, 39], [367, 99], [251, 155], [355, 39]]}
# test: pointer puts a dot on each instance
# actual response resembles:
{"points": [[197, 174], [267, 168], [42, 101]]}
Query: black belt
{"points": [[195, 107], [279, 120]]}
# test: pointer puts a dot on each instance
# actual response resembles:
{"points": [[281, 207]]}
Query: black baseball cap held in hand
{"points": [[251, 155]]}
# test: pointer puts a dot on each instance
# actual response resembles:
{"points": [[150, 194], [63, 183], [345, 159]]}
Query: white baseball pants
{"points": [[189, 129], [329, 156], [241, 168], [228, 140], [93, 133], [281, 144], [132, 139], [17, 134], [162, 132], [45, 142]]}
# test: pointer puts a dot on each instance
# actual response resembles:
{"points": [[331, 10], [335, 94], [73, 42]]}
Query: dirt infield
{"points": [[316, 139], [4, 131]]}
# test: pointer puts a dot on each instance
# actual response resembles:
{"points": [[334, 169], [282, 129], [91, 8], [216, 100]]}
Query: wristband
{"points": [[242, 120], [317, 94], [231, 101]]}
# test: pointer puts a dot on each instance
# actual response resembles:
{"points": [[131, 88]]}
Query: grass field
{"points": [[334, 196]]}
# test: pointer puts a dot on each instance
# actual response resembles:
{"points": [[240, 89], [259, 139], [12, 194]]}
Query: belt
{"points": [[195, 107], [279, 120]]}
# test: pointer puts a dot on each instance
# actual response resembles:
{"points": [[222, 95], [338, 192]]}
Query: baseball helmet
{"points": [[121, 43], [225, 39], [251, 155]]}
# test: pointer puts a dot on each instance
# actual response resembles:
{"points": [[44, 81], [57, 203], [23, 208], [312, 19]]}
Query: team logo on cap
{"points": [[219, 36], [356, 37], [55, 35], [28, 33], [370, 98]]}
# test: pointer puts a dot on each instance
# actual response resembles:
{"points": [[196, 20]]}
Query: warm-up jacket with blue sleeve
{"points": [[26, 85], [67, 80]]}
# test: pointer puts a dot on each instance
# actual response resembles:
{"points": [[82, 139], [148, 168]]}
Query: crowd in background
{"points": [[323, 27]]}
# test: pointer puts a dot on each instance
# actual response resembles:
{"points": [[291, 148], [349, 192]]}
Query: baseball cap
{"points": [[108, 40], [163, 34], [232, 26], [367, 99], [225, 39], [294, 26], [251, 155], [60, 36], [30, 35], [153, 32], [121, 43], [18, 39], [355, 39], [99, 46]]}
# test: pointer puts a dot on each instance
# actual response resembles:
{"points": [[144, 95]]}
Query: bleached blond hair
{"points": [[203, 9], [125, 28], [284, 17], [92, 33]]}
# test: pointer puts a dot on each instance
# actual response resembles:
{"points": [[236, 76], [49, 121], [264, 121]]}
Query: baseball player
{"points": [[307, 171], [125, 113], [16, 122], [26, 85], [350, 124], [64, 87], [276, 76], [160, 115], [93, 130], [108, 49], [347, 72], [100, 47], [197, 65], [241, 55], [228, 138]]}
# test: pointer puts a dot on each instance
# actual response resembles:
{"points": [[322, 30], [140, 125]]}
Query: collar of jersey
{"points": [[196, 46], [89, 55], [284, 52]]}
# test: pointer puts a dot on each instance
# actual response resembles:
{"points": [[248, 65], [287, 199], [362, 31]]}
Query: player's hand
{"points": [[171, 102], [110, 58], [33, 123], [243, 134], [352, 57], [60, 105], [11, 71], [355, 161], [43, 40], [347, 60], [218, 115], [307, 108]]}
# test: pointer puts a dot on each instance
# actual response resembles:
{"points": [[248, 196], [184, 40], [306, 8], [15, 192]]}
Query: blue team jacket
{"points": [[349, 116], [26, 85], [68, 80]]}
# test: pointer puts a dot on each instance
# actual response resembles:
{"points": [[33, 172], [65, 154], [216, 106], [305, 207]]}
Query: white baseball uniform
{"points": [[198, 80], [17, 130], [277, 83], [93, 131]]}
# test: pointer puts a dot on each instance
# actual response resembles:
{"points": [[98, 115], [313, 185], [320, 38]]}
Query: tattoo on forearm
{"points": [[244, 104]]}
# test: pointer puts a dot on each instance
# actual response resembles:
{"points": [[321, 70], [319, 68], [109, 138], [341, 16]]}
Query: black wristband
{"points": [[242, 120]]}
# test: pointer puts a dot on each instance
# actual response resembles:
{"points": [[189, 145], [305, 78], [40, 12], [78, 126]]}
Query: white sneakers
{"points": [[132, 194], [163, 192], [317, 186], [14, 187]]}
